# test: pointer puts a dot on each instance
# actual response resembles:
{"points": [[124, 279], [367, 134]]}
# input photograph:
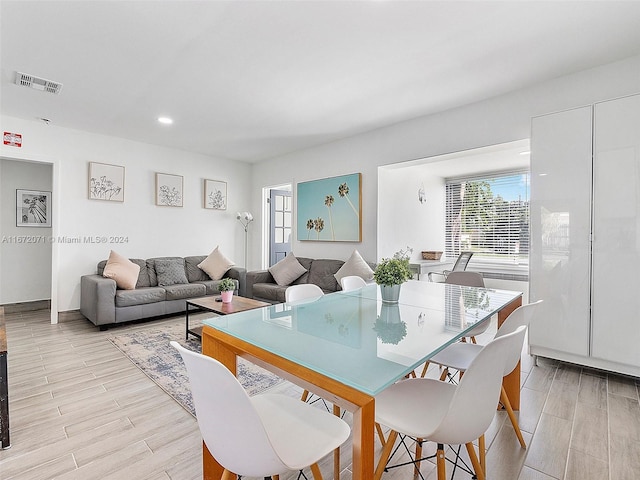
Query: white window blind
{"points": [[489, 215]]}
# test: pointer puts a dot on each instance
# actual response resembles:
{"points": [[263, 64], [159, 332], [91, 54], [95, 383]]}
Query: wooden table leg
{"points": [[511, 382], [363, 429]]}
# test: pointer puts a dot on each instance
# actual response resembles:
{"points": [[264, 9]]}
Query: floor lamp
{"points": [[245, 218]]}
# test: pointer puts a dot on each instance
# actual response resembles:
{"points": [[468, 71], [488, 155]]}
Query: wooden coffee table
{"points": [[214, 304]]}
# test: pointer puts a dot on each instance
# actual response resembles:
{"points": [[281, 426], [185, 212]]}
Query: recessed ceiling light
{"points": [[165, 120]]}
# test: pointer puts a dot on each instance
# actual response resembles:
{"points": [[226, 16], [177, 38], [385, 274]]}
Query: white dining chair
{"points": [[426, 409], [469, 279], [352, 282], [257, 436], [459, 356], [304, 291]]}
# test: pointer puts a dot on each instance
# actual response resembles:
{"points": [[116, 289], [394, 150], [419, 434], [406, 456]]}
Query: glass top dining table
{"points": [[349, 346]]}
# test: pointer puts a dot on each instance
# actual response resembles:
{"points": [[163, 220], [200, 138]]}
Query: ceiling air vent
{"points": [[26, 80]]}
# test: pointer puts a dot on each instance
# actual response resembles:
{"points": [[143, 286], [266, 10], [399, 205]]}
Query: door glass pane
{"points": [[287, 219], [279, 203], [287, 234], [279, 235], [279, 217], [287, 204]]}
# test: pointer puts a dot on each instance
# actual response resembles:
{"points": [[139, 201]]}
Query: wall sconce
{"points": [[422, 196]]}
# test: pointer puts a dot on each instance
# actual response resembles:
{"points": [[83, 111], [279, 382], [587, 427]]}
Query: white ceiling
{"points": [[250, 80]]}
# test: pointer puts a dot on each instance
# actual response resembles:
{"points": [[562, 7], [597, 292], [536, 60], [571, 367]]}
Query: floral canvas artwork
{"points": [[33, 208], [106, 182], [215, 194], [330, 209], [169, 190]]}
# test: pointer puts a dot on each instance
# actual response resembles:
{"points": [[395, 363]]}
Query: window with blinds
{"points": [[489, 215]]}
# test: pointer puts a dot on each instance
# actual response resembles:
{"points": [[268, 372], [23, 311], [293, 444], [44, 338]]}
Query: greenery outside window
{"points": [[489, 215]]}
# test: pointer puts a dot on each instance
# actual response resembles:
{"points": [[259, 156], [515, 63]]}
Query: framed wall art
{"points": [[169, 190], [33, 208], [106, 182], [215, 194], [330, 209]]}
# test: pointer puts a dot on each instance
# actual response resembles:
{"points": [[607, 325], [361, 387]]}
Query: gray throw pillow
{"points": [[170, 272], [287, 270]]}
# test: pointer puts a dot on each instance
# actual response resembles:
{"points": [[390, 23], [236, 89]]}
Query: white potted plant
{"points": [[226, 287], [391, 273]]}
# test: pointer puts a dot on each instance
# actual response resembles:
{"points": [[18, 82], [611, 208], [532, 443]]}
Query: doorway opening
{"points": [[278, 223]]}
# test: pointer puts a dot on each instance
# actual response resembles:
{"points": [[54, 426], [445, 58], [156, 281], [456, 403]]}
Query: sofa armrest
{"points": [[239, 274], [257, 276], [97, 299]]}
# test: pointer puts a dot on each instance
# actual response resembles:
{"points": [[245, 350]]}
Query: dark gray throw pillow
{"points": [[170, 272]]}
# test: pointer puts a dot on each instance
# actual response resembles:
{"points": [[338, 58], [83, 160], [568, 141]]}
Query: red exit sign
{"points": [[12, 139]]}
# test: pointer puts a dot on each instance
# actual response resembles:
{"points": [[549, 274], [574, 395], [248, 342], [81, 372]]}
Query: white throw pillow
{"points": [[355, 265], [216, 264], [287, 270], [122, 270]]}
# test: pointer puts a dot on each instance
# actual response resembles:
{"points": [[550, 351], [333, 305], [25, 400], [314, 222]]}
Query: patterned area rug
{"points": [[150, 351]]}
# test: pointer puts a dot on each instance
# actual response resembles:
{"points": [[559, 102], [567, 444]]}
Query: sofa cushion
{"points": [[195, 273], [122, 270], [151, 268], [143, 276], [287, 270], [212, 286], [185, 290], [322, 274], [355, 265], [139, 296], [269, 291], [306, 263], [170, 272], [216, 264]]}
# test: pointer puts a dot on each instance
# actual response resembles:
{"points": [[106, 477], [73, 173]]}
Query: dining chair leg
{"points": [[441, 463], [380, 434], [445, 372], [305, 395], [483, 454], [504, 399], [336, 452], [424, 369], [416, 465], [316, 472], [385, 454], [227, 475], [474, 461]]}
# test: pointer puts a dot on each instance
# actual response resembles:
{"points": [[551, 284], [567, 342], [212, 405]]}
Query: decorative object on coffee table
{"points": [[391, 273], [226, 287]]}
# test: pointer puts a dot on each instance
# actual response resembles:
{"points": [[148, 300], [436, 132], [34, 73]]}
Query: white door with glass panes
{"points": [[280, 221]]}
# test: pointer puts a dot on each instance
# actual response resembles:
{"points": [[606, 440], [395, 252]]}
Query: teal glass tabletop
{"points": [[356, 339]]}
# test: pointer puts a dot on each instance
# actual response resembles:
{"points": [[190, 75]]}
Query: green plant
{"points": [[395, 270], [226, 284]]}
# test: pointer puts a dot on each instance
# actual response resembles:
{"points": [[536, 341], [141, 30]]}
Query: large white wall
{"points": [[402, 220], [498, 120], [25, 255], [149, 230]]}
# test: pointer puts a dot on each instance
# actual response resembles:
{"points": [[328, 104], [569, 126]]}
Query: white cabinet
{"points": [[585, 235]]}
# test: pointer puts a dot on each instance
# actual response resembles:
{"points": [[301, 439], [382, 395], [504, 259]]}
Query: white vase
{"points": [[390, 293]]}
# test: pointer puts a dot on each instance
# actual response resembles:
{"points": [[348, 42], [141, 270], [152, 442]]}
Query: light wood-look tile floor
{"points": [[81, 410]]}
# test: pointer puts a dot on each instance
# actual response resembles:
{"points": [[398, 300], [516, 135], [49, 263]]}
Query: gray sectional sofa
{"points": [[260, 284], [104, 304]]}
